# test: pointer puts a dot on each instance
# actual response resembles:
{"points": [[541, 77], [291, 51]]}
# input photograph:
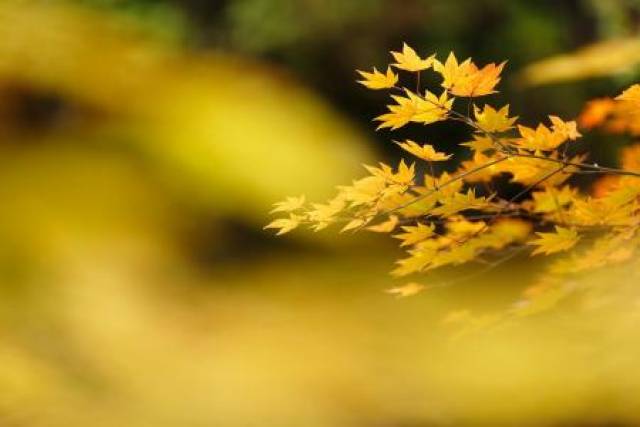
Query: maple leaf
{"points": [[491, 120], [399, 114], [409, 60], [285, 225], [363, 191], [415, 234], [616, 207], [377, 80], [480, 143], [552, 199], [478, 82], [403, 177], [418, 260], [425, 152], [407, 290], [466, 79], [451, 71], [561, 240], [475, 170], [290, 204], [431, 108], [567, 129], [324, 214], [405, 174], [545, 139], [460, 202]]}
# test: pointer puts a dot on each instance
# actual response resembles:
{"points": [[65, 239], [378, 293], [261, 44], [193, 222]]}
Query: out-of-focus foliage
{"points": [[608, 58], [198, 121], [618, 54], [308, 344], [261, 25]]}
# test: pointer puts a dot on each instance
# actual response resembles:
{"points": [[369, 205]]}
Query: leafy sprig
{"points": [[456, 217]]}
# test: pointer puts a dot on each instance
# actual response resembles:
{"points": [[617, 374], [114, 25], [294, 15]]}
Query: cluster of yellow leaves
{"points": [[464, 80], [456, 216]]}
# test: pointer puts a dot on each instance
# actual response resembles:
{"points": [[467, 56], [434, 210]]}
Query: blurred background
{"points": [[142, 143]]}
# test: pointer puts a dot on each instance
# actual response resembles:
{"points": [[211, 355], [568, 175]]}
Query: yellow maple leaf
{"points": [[475, 171], [451, 71], [285, 225], [409, 60], [552, 199], [545, 139], [399, 114], [404, 175], [478, 82], [567, 129], [561, 240], [480, 143], [425, 152], [324, 214], [466, 79], [290, 204], [446, 185], [431, 108], [414, 234], [407, 290], [492, 120], [377, 80], [459, 202], [363, 191]]}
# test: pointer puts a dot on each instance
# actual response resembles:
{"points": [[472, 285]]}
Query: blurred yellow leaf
{"points": [[606, 58]]}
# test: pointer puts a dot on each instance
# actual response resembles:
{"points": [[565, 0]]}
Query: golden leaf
{"points": [[425, 152], [399, 114], [431, 108], [290, 204], [409, 60], [491, 120], [285, 225], [466, 79], [377, 80], [415, 234], [560, 240]]}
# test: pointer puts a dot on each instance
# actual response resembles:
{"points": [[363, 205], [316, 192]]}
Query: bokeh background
{"points": [[142, 144]]}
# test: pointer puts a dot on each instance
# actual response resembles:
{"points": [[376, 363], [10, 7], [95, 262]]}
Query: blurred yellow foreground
{"points": [[138, 290]]}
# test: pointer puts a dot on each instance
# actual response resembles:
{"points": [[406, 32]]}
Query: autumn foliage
{"points": [[459, 216]]}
